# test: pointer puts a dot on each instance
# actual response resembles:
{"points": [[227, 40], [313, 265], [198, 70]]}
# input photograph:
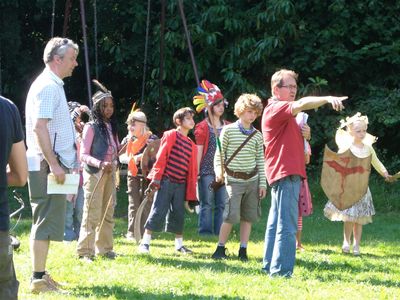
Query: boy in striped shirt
{"points": [[174, 176], [244, 175]]}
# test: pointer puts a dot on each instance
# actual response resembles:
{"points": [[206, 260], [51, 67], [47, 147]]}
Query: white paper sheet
{"points": [[70, 185]]}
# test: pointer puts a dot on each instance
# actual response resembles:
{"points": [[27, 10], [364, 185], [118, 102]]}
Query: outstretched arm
{"points": [[312, 102]]}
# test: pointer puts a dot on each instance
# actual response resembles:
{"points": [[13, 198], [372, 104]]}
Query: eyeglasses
{"points": [[290, 87]]}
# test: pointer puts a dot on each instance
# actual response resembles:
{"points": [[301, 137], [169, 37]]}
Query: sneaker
{"points": [[356, 251], [87, 258], [243, 254], [184, 250], [144, 248], [109, 255], [220, 253], [45, 284]]}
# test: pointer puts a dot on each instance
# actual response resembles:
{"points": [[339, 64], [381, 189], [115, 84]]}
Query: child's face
{"points": [[136, 128], [107, 108], [187, 122], [358, 130], [248, 116], [218, 109]]}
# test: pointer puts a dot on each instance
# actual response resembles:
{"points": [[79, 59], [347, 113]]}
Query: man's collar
{"points": [[53, 75]]}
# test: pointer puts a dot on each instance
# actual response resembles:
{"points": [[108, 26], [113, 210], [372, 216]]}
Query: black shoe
{"points": [[87, 258], [220, 253], [243, 254], [184, 250], [109, 255]]}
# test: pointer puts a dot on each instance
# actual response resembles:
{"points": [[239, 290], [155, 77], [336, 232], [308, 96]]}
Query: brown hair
{"points": [[181, 113], [277, 78]]}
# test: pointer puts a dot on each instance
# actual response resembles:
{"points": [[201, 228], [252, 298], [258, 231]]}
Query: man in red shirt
{"points": [[284, 168]]}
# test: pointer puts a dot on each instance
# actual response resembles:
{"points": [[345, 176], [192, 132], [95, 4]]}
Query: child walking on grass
{"points": [[173, 176], [242, 148], [359, 142]]}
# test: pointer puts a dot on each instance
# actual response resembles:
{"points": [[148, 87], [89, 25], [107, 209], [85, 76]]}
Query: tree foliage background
{"points": [[337, 47]]}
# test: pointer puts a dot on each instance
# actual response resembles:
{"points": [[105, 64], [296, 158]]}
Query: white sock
{"points": [[178, 243], [146, 239]]}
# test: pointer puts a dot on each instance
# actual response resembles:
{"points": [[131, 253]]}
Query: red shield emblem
{"points": [[344, 177]]}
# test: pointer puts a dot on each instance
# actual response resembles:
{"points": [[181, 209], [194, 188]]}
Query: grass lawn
{"points": [[321, 272]]}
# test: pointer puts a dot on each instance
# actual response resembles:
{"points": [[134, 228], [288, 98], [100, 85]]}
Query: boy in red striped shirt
{"points": [[174, 174]]}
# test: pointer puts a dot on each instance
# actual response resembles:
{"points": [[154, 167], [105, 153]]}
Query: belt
{"points": [[241, 175]]}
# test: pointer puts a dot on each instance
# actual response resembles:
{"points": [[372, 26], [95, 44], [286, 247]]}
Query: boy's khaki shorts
{"points": [[243, 203]]}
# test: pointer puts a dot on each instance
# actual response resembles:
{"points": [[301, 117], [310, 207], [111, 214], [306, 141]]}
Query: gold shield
{"points": [[344, 177]]}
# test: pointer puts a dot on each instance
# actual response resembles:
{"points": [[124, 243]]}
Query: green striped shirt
{"points": [[249, 157]]}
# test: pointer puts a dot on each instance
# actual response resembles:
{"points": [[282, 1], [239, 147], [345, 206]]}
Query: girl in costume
{"points": [[210, 100], [360, 143], [133, 145], [99, 153]]}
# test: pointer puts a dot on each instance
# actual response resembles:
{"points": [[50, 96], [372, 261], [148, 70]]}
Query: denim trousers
{"points": [[280, 234], [73, 217], [210, 199], [168, 208]]}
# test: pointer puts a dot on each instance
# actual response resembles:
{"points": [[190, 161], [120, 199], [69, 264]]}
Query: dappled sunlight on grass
{"points": [[321, 271]]}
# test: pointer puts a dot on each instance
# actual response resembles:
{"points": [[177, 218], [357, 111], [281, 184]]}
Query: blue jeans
{"points": [[168, 208], [280, 234], [208, 198], [73, 217]]}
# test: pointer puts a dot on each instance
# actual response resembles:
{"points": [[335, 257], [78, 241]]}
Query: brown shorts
{"points": [[243, 202]]}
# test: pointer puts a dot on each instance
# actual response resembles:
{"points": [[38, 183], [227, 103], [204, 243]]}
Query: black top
{"points": [[10, 133]]}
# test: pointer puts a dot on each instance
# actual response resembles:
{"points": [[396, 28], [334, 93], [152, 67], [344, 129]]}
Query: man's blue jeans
{"points": [[208, 198], [280, 234]]}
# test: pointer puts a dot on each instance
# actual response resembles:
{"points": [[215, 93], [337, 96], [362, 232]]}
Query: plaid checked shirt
{"points": [[46, 100]]}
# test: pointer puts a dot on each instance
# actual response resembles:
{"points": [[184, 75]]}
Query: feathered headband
{"points": [[209, 94], [102, 94], [136, 115]]}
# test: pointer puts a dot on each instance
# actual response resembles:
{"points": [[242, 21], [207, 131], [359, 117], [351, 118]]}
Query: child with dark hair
{"points": [[99, 152], [174, 177], [212, 197]]}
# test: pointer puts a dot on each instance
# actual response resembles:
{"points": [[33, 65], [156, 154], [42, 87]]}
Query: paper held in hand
{"points": [[397, 175], [70, 185]]}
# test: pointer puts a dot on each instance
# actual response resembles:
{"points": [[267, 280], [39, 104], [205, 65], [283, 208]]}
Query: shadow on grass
{"points": [[213, 265], [120, 292], [335, 270]]}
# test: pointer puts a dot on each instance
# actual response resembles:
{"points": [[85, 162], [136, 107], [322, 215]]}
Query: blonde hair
{"points": [[248, 101], [277, 78]]}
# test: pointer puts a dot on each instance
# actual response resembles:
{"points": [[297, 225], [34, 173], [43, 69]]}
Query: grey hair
{"points": [[58, 46]]}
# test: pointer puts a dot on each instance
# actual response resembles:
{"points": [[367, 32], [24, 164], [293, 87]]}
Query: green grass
{"points": [[321, 272]]}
